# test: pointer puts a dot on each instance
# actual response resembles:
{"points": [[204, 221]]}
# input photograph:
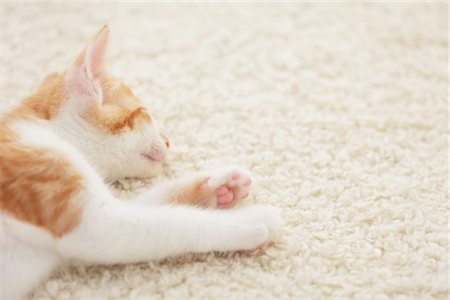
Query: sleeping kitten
{"points": [[84, 126]]}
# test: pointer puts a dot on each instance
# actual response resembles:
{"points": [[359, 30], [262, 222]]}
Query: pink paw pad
{"points": [[224, 196], [223, 190], [230, 186]]}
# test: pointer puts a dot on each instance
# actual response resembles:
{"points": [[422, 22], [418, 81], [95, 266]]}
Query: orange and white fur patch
{"points": [[80, 128]]}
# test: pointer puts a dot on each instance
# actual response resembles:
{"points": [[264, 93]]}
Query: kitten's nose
{"points": [[165, 140]]}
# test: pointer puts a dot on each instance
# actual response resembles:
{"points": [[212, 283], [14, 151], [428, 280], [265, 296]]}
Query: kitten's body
{"points": [[82, 127]]}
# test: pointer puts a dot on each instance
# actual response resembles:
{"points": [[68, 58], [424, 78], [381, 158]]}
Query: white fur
{"points": [[214, 179], [112, 231], [113, 156]]}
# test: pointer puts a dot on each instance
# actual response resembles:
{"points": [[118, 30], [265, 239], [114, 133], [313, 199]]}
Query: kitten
{"points": [[84, 126]]}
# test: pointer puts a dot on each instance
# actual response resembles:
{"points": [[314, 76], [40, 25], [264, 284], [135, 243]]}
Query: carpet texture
{"points": [[340, 111]]}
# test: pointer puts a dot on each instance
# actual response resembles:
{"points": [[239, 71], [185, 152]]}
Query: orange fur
{"points": [[121, 111], [44, 103], [194, 193], [114, 119], [38, 186]]}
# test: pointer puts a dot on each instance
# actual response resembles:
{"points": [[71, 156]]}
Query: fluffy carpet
{"points": [[340, 111]]}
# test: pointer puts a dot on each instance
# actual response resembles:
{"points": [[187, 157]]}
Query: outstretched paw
{"points": [[230, 186]]}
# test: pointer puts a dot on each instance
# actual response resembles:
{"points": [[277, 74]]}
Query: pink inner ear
{"points": [[84, 79], [96, 52]]}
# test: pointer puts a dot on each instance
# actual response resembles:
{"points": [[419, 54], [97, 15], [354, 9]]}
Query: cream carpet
{"points": [[340, 110]]}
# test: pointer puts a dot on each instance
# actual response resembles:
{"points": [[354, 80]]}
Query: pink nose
{"points": [[165, 140]]}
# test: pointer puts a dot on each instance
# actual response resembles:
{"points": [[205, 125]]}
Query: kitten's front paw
{"points": [[265, 223], [230, 186]]}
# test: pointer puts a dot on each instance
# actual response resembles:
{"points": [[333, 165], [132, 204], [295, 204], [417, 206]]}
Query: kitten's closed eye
{"points": [[116, 131]]}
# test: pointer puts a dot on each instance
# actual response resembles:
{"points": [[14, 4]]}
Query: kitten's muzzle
{"points": [[154, 156]]}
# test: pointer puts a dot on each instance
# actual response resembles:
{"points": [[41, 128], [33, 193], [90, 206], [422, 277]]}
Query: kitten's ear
{"points": [[85, 76], [92, 57]]}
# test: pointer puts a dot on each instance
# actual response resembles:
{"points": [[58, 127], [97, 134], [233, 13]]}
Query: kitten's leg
{"points": [[220, 188], [24, 261], [114, 231], [117, 232]]}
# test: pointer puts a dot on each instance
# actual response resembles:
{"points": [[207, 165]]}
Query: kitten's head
{"points": [[113, 128]]}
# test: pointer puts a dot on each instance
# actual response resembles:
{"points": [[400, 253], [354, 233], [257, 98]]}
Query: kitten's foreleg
{"points": [[117, 232], [220, 188]]}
